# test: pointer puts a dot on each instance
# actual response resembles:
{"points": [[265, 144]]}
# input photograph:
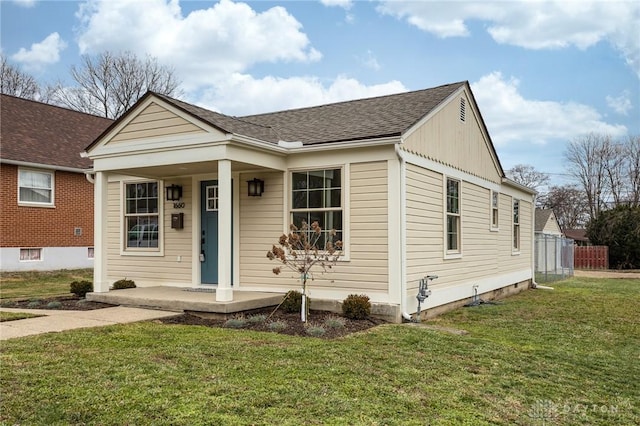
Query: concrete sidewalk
{"points": [[59, 320]]}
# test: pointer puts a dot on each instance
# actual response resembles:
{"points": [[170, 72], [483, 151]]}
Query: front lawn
{"points": [[14, 316], [567, 356], [37, 284]]}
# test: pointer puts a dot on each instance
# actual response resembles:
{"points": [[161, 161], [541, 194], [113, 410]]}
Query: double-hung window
{"points": [[453, 216], [141, 215], [316, 196], [516, 225], [35, 187], [495, 200]]}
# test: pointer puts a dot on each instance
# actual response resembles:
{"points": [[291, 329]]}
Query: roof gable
{"points": [[38, 133]]}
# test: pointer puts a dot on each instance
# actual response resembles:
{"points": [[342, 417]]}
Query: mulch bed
{"points": [[67, 303], [294, 326]]}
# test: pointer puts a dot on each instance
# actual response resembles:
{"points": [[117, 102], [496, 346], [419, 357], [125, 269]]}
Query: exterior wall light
{"points": [[255, 187], [174, 192]]}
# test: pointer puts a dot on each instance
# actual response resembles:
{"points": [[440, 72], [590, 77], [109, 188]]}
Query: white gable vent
{"points": [[463, 109]]}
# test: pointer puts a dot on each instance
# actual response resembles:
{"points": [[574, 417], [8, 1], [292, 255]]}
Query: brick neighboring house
{"points": [[46, 200]]}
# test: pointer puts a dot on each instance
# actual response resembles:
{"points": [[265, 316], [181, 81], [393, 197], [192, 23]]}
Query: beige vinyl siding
{"points": [[155, 121], [485, 253], [151, 270], [462, 145], [261, 223]]}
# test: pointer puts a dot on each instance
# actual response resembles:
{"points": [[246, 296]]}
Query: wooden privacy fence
{"points": [[591, 257]]}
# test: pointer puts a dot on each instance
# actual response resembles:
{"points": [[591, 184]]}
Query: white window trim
{"points": [[345, 191], [53, 188], [451, 254], [494, 227], [141, 251], [31, 260], [516, 251]]}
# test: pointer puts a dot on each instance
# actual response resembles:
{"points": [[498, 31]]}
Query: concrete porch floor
{"points": [[179, 299]]}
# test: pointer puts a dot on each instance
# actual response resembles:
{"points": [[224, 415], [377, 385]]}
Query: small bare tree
{"points": [[302, 251], [109, 83], [584, 157], [528, 176], [631, 151], [569, 204], [17, 83]]}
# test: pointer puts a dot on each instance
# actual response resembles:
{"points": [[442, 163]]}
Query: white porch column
{"points": [[224, 292], [100, 282]]}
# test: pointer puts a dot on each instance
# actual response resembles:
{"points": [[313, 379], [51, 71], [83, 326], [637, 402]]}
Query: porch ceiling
{"points": [[188, 169]]}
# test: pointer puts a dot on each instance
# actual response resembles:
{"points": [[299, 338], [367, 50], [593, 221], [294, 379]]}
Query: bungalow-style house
{"points": [[411, 182], [46, 199]]}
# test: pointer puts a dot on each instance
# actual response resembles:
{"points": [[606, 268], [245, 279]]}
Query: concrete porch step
{"points": [[178, 299]]}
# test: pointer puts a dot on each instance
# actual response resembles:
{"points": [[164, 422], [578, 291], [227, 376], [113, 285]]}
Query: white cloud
{"points": [[511, 118], [45, 52], [370, 61], [242, 94], [620, 104], [345, 4], [225, 38], [25, 3], [532, 24]]}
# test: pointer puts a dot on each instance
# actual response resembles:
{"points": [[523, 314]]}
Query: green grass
{"points": [[12, 316], [567, 356], [26, 285]]}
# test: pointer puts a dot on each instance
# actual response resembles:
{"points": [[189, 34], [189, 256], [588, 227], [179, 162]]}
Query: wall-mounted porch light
{"points": [[174, 192], [255, 187]]}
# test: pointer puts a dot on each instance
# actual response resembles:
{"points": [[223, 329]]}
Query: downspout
{"points": [[403, 233], [90, 177]]}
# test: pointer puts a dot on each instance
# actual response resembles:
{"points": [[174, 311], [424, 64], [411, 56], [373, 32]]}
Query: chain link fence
{"points": [[553, 258]]}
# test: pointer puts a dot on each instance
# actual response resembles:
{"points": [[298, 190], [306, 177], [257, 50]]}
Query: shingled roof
{"points": [[382, 116], [38, 133], [542, 216]]}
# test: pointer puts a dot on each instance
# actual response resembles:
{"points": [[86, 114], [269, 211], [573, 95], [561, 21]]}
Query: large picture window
{"points": [[35, 187], [316, 195], [516, 225], [453, 216], [141, 214]]}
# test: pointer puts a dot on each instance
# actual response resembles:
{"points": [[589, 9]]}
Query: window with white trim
{"points": [[453, 215], [495, 203], [516, 225], [35, 187], [30, 254], [316, 195], [141, 215]]}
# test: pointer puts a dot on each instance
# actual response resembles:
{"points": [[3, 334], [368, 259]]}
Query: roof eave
{"points": [[43, 166]]}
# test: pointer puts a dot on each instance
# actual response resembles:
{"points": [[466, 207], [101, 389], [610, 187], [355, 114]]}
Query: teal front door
{"points": [[209, 232]]}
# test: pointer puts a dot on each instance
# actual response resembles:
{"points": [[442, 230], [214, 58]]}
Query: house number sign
{"points": [[178, 205]]}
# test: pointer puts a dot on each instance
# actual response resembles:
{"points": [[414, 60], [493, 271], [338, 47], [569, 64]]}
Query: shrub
{"points": [[315, 330], [237, 322], [618, 228], [277, 325], [124, 283], [81, 288], [54, 305], [257, 319], [356, 306], [292, 302], [334, 323], [34, 304]]}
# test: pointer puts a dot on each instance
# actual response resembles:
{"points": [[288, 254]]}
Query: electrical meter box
{"points": [[177, 220]]}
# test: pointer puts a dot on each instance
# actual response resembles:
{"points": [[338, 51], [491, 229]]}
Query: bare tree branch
{"points": [[109, 84], [527, 175], [15, 82]]}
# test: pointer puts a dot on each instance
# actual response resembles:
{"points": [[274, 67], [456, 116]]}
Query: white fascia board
{"points": [[347, 144], [44, 166], [514, 184], [164, 143]]}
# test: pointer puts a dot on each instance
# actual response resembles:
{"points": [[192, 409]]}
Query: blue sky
{"points": [[542, 72]]}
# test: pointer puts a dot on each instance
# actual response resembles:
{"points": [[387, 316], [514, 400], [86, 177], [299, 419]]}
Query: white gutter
{"points": [[42, 166], [403, 233], [90, 175]]}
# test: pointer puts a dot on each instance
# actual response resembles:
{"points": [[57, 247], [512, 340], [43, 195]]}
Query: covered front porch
{"points": [[187, 300]]}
